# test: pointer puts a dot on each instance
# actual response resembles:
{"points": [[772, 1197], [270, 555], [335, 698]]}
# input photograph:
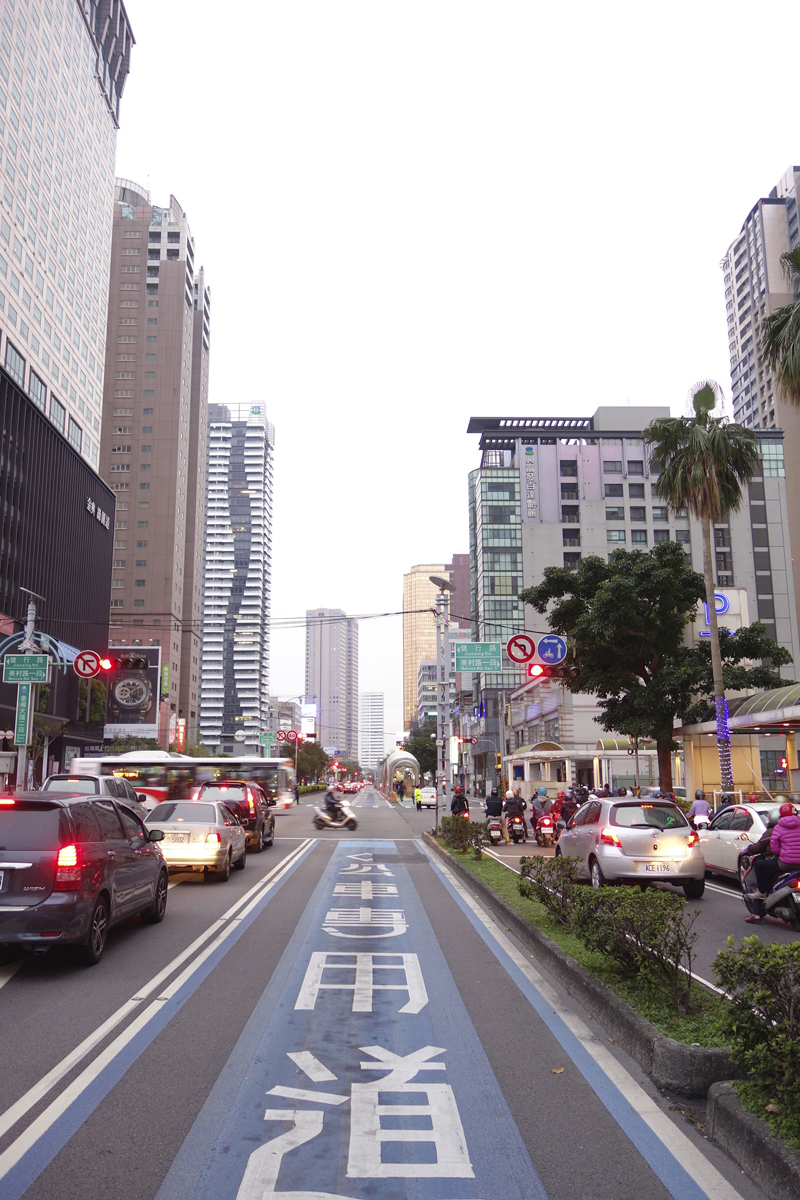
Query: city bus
{"points": [[157, 775]]}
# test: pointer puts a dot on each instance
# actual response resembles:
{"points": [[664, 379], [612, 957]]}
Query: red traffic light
{"points": [[535, 670], [562, 671], [106, 664]]}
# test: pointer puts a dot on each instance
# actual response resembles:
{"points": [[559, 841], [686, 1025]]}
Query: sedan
{"points": [[200, 836], [428, 797], [635, 841], [729, 833]]}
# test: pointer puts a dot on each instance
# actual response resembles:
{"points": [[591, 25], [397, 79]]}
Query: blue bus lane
{"points": [[362, 1075]]}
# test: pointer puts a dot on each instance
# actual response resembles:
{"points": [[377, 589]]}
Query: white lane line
{"points": [[8, 970], [715, 887], [681, 1147], [48, 1081]]}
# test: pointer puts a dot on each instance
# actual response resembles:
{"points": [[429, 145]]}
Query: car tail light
{"points": [[68, 870], [6, 801], [693, 839], [213, 837], [465, 816], [609, 838], [251, 802]]}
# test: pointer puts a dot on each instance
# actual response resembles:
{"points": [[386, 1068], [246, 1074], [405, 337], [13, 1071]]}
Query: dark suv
{"points": [[249, 803], [71, 866]]}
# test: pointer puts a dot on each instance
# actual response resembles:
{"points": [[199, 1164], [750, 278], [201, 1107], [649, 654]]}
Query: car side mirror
{"points": [[155, 835], [141, 797]]}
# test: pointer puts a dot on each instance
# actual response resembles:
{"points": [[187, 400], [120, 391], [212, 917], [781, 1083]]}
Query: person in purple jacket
{"points": [[785, 845]]}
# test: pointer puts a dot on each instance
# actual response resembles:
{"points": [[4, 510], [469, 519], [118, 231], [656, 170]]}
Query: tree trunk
{"points": [[664, 751], [720, 703]]}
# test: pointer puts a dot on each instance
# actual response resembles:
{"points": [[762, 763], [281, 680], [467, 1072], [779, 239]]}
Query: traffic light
{"points": [[781, 770], [124, 662], [498, 762], [562, 671]]}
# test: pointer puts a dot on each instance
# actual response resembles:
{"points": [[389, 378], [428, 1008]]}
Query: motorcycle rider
{"points": [[514, 808], [459, 802], [784, 842], [569, 806], [332, 805], [700, 806], [494, 808]]}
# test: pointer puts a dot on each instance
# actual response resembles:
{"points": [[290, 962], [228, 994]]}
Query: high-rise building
{"points": [[755, 286], [153, 451], [370, 730], [419, 626], [238, 578], [60, 89], [332, 678]]}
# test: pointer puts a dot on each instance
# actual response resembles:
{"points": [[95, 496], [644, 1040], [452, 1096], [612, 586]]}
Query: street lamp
{"points": [[443, 691]]}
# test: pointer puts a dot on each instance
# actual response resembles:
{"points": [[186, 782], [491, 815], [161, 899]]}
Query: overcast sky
{"points": [[412, 213]]}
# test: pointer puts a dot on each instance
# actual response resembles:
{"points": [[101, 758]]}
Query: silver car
{"points": [[730, 832], [200, 836], [428, 799], [635, 841]]}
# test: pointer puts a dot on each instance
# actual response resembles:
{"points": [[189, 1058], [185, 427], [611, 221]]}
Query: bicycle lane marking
{"points": [[347, 1081], [680, 1165]]}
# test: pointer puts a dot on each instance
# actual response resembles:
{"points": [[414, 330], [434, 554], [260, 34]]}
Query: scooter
{"points": [[701, 822], [495, 828], [783, 898], [545, 831], [324, 820], [516, 827]]}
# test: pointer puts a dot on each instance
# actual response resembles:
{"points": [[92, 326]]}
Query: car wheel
{"points": [[271, 841], [239, 865], [596, 875], [693, 888], [155, 913], [224, 874], [92, 949], [259, 846]]}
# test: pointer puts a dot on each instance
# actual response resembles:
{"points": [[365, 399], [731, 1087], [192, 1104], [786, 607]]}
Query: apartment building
{"points": [[153, 447], [62, 73], [419, 626], [332, 678], [370, 730], [238, 580]]}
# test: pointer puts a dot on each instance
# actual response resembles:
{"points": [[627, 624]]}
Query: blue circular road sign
{"points": [[552, 649]]}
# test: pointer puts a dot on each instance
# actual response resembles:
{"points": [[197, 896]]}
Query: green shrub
{"points": [[554, 883], [762, 1024], [455, 831], [648, 934], [477, 836]]}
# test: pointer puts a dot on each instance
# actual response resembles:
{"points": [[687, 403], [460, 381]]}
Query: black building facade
{"points": [[56, 540]]}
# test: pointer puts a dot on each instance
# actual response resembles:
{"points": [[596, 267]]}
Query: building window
{"points": [[660, 514], [144, 487], [117, 603], [15, 364], [612, 490], [638, 514], [612, 466], [118, 467], [635, 466], [141, 562], [635, 490], [569, 491], [661, 535], [138, 583], [772, 458], [639, 537], [615, 535], [615, 514], [138, 604], [144, 466], [57, 413], [571, 559], [682, 535], [37, 391], [570, 514], [75, 435], [571, 537], [569, 467]]}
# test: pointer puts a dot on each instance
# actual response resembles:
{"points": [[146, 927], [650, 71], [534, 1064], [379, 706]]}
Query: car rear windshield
{"points": [[224, 793], [648, 816], [26, 825], [86, 787], [183, 810]]}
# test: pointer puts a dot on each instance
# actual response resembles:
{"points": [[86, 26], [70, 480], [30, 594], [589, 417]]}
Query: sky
{"points": [[414, 213]]}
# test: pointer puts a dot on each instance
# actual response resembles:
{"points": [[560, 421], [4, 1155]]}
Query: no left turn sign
{"points": [[521, 648], [86, 664]]}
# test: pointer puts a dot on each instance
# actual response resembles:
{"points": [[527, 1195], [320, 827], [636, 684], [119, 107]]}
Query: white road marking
{"points": [[48, 1081], [290, 1093], [364, 966], [310, 1066], [8, 971], [684, 1151]]}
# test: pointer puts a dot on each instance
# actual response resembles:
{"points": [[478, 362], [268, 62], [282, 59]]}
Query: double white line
{"points": [[224, 927]]}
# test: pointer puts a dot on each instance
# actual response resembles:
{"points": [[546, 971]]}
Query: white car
{"points": [[729, 833], [428, 797], [200, 836]]}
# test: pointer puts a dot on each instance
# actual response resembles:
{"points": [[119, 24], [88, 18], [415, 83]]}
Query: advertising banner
{"points": [[132, 695]]}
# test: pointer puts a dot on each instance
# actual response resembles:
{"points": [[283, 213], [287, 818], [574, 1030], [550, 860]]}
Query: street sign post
{"points": [[552, 649], [26, 668], [24, 719], [86, 664], [479, 656], [521, 648]]}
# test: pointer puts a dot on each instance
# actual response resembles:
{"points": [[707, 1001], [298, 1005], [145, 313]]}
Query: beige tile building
{"points": [[153, 448], [419, 627]]}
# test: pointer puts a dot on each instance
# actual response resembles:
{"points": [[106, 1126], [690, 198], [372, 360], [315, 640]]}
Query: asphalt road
{"points": [[341, 1019]]}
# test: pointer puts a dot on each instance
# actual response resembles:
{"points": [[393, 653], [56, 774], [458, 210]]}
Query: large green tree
{"points": [[422, 744], [625, 621], [701, 463], [780, 334]]}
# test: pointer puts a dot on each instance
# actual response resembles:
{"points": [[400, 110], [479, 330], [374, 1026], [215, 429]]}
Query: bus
{"points": [[157, 775]]}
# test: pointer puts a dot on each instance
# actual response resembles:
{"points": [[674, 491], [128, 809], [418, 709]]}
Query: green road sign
{"points": [[479, 656], [269, 739], [26, 668], [22, 725], [165, 679]]}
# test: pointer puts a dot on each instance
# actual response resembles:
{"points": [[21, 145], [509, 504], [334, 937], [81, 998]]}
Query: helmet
{"points": [[774, 817], [560, 796], [699, 794], [787, 810], [724, 798]]}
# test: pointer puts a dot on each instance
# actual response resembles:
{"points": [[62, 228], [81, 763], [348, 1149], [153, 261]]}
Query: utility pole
{"points": [[27, 692], [443, 688]]}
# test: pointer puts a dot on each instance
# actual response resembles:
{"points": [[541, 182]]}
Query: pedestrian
{"points": [[296, 793], [418, 797]]}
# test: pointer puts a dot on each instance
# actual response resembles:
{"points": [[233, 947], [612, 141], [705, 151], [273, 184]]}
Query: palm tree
{"points": [[780, 334], [702, 462]]}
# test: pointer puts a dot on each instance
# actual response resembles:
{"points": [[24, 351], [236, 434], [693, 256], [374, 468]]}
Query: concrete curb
{"points": [[747, 1140], [672, 1065]]}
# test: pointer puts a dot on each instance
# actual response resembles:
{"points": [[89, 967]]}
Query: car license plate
{"points": [[177, 839], [656, 866]]}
